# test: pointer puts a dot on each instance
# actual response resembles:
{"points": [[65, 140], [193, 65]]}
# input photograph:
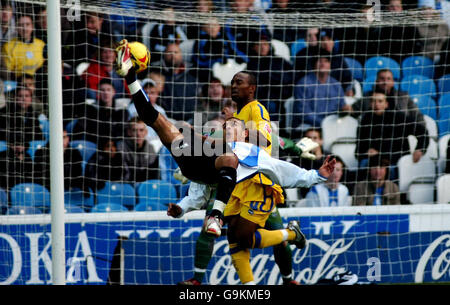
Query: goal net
{"points": [[369, 81]]}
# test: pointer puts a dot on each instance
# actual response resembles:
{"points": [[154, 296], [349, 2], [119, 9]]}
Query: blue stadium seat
{"points": [[443, 84], [369, 83], [426, 105], [297, 46], [9, 85], [443, 121], [35, 145], [156, 192], [31, 195], [3, 201], [70, 208], [71, 125], [23, 210], [3, 146], [76, 197], [418, 65], [356, 68], [146, 206], [115, 192], [108, 207], [376, 63], [86, 148], [44, 124], [418, 85]]}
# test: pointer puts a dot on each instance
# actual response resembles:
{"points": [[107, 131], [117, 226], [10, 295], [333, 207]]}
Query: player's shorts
{"points": [[196, 159], [254, 202]]}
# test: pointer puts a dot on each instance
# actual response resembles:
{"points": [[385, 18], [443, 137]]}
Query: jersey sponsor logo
{"points": [[251, 212]]}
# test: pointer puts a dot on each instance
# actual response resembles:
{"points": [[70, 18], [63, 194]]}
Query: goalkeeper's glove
{"points": [[306, 145], [179, 176], [123, 59]]}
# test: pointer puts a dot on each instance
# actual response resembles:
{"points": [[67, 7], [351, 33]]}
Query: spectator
{"points": [[86, 39], [19, 116], [431, 37], [8, 29], [240, 35], [165, 34], [159, 79], [73, 173], [181, 86], [138, 155], [101, 120], [317, 95], [29, 82], [209, 48], [400, 41], [332, 193], [202, 6], [23, 54], [41, 23], [285, 34], [304, 62], [104, 68], [2, 95], [16, 164], [211, 100], [447, 166], [274, 74], [398, 100], [385, 132], [361, 42], [105, 165], [378, 190]]}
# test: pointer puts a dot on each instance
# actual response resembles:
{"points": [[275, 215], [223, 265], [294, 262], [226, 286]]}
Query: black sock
{"points": [[225, 186]]}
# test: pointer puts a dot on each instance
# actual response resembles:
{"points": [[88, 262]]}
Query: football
{"points": [[140, 55]]}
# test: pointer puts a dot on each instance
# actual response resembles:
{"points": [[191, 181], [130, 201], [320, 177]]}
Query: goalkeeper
{"points": [[204, 247], [247, 212], [218, 168]]}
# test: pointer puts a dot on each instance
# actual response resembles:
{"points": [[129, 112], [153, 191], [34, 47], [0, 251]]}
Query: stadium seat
{"points": [[70, 126], [44, 124], [108, 207], [408, 171], [23, 210], [31, 195], [426, 105], [146, 206], [3, 146], [9, 85], [421, 192], [335, 127], [33, 146], [187, 49], [3, 201], [345, 149], [442, 189], [281, 49], [86, 148], [376, 63], [69, 208], [443, 145], [297, 46], [156, 192], [226, 71], [355, 68], [443, 84], [115, 192], [418, 85], [76, 197], [418, 65], [288, 110]]}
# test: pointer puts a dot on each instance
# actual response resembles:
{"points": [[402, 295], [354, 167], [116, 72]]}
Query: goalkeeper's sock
{"points": [[266, 238], [144, 107], [203, 252], [241, 262], [283, 258]]}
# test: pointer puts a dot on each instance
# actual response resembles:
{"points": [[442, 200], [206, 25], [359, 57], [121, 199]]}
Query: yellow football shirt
{"points": [[23, 58], [256, 117]]}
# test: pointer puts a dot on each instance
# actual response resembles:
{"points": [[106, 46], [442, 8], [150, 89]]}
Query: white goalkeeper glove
{"points": [[306, 145], [123, 59], [179, 176]]}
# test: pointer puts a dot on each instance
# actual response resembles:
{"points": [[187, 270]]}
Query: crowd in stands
{"points": [[316, 80]]}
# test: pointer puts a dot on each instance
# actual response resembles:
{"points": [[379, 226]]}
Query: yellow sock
{"points": [[241, 262], [266, 238]]}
